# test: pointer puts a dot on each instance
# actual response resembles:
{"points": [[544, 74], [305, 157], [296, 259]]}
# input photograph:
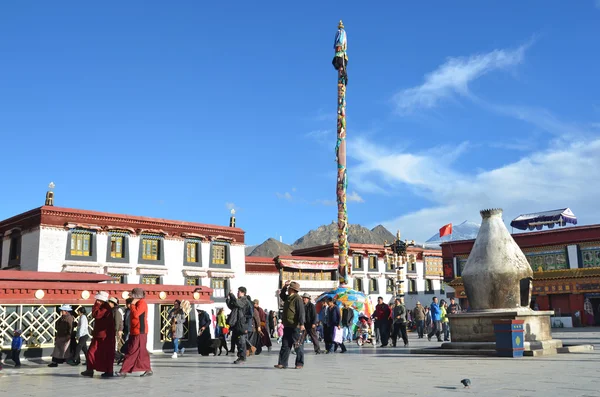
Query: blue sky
{"points": [[185, 110]]}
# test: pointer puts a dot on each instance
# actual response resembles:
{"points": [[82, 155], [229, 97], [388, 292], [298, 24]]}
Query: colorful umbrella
{"points": [[356, 299]]}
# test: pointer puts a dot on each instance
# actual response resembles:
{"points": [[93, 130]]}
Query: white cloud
{"points": [[286, 196], [453, 78], [562, 176], [354, 198], [327, 203]]}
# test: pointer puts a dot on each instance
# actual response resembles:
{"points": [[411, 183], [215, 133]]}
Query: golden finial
{"points": [[341, 25]]}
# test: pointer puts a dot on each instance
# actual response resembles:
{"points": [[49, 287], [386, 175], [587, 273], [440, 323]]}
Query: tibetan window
{"points": [[372, 263], [150, 279], [358, 285], [116, 246], [150, 249], [81, 243], [357, 262], [191, 251]]}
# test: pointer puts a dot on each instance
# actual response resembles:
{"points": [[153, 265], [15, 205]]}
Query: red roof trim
{"points": [[18, 275], [59, 216]]}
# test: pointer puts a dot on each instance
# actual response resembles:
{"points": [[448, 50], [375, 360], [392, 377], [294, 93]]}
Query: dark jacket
{"points": [[382, 312], [298, 307], [419, 313], [347, 317], [310, 314], [454, 308], [333, 316], [238, 320], [399, 314]]}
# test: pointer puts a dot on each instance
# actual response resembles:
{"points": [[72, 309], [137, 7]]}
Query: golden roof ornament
{"points": [[341, 25]]}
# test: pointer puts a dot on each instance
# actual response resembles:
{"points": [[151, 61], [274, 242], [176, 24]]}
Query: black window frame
{"points": [[361, 261], [431, 291], [227, 264], [226, 288], [92, 257], [197, 278], [375, 282], [376, 264], [160, 253], [198, 243], [412, 285], [355, 283], [390, 284], [159, 278], [124, 247]]}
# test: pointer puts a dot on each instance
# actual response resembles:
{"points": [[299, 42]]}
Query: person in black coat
{"points": [[333, 323], [311, 322], [204, 340]]}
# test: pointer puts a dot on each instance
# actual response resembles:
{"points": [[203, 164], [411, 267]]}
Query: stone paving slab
{"points": [[360, 372]]}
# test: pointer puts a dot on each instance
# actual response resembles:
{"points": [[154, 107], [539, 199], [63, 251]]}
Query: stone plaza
{"points": [[360, 372]]}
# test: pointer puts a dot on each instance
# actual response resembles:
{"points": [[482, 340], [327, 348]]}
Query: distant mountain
{"points": [[465, 231], [383, 234], [322, 235], [357, 234], [248, 250], [271, 248]]}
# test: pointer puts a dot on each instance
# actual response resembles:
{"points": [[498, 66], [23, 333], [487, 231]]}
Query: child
{"points": [[364, 328], [279, 331], [15, 348]]}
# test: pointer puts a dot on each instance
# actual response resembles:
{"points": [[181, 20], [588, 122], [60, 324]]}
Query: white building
{"points": [[131, 249]]}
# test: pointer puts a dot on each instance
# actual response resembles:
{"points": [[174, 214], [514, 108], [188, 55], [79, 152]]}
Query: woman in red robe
{"points": [[101, 354], [137, 358]]}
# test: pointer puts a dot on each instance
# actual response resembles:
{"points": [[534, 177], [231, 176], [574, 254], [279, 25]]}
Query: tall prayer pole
{"points": [[340, 61]]}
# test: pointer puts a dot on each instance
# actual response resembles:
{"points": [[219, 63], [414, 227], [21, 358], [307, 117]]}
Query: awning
{"points": [[309, 265], [547, 218]]}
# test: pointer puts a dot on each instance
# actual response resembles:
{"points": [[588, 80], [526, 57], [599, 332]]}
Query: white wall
{"points": [[262, 286], [52, 249]]}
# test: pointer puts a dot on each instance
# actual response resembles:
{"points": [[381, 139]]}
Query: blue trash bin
{"points": [[509, 338]]}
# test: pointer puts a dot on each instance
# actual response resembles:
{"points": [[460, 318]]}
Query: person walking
{"points": [[348, 321], [333, 325], [82, 337], [118, 316], [263, 330], [419, 318], [62, 337], [221, 323], [293, 323], [137, 358], [177, 319], [15, 347], [445, 323], [382, 321], [239, 322], [436, 320], [310, 323], [400, 320], [101, 355]]}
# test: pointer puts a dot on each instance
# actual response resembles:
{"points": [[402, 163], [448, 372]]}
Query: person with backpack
{"points": [[399, 318], [293, 325], [240, 319]]}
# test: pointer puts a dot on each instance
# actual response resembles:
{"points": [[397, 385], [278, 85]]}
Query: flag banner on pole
{"points": [[446, 230]]}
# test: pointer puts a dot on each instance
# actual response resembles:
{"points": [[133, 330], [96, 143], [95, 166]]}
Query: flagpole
{"points": [[340, 61]]}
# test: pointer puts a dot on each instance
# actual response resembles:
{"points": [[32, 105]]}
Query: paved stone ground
{"points": [[360, 372]]}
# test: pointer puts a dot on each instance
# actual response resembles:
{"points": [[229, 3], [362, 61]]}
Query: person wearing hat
{"points": [[137, 358], [101, 354], [310, 323], [293, 325], [419, 316], [62, 337], [113, 301], [15, 347], [240, 321]]}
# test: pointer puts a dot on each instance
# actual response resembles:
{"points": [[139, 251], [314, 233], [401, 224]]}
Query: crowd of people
{"points": [[119, 335]]}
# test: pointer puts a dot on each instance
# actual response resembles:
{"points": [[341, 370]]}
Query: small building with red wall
{"points": [[566, 270]]}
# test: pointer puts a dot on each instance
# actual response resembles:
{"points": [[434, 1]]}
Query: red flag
{"points": [[446, 230]]}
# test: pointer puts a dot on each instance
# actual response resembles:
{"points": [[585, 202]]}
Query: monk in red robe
{"points": [[137, 358], [101, 354]]}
